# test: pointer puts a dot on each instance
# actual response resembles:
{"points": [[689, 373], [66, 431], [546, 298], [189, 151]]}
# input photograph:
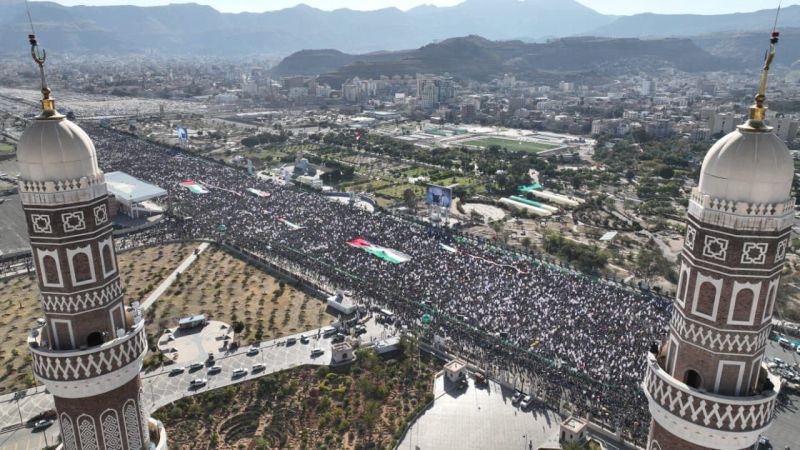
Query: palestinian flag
{"points": [[291, 225], [194, 187], [386, 254]]}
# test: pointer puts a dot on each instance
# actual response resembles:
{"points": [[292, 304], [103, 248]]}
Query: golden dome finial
{"points": [[48, 104], [758, 111]]}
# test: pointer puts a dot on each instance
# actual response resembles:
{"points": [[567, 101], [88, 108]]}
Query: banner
{"points": [[258, 193], [447, 248], [291, 225], [386, 254], [195, 188]]}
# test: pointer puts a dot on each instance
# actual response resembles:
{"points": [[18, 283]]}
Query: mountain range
{"points": [[477, 58], [191, 29]]}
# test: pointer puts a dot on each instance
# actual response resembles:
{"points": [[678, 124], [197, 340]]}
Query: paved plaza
{"points": [[195, 344], [480, 418]]}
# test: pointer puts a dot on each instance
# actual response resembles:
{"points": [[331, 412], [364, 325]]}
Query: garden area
{"points": [[224, 288], [366, 405]]}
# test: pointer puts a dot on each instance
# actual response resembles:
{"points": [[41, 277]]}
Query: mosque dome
{"points": [[56, 149], [748, 166]]}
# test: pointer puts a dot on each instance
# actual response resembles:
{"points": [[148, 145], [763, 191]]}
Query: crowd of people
{"points": [[572, 333]]}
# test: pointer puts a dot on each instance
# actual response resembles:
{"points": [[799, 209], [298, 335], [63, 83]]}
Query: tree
{"points": [[665, 172], [409, 198], [650, 262]]}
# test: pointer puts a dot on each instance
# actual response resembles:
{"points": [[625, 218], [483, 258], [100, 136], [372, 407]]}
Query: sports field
{"points": [[510, 144]]}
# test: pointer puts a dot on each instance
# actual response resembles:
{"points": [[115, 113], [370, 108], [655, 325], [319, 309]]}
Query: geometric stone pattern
{"points": [[100, 215], [41, 223], [715, 247], [73, 221], [132, 425], [68, 367], [728, 342], [87, 433], [754, 253], [67, 433], [691, 234], [68, 303], [781, 251], [718, 414], [111, 432]]}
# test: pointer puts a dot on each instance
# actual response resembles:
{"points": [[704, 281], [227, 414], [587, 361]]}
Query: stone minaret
{"points": [[706, 386], [89, 352]]}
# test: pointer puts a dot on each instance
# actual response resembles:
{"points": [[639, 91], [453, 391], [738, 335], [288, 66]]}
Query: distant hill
{"points": [[474, 57], [191, 29], [670, 25], [749, 47]]}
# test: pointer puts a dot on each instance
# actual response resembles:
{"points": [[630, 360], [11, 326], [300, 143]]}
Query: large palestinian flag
{"points": [[386, 254], [194, 187]]}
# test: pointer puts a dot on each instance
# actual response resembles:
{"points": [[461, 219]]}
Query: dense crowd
{"points": [[574, 334]]}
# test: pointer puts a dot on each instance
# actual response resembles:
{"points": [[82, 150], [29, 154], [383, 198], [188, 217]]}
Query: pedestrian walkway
{"points": [[159, 291]]}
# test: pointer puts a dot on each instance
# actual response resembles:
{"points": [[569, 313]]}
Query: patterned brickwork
{"points": [[69, 366], [721, 413]]}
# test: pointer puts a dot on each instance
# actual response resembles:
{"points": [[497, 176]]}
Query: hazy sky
{"points": [[621, 7]]}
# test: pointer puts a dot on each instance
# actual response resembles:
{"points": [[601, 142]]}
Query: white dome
{"points": [[56, 149], [748, 166]]}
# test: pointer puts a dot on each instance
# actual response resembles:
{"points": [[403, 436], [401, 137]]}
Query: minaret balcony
{"points": [[704, 410], [104, 366]]}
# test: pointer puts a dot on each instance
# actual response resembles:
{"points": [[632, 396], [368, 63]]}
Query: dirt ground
{"points": [[217, 284], [227, 289]]}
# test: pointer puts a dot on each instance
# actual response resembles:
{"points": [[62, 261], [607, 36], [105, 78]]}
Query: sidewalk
{"points": [[157, 292]]}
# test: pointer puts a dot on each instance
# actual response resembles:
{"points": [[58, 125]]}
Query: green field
{"points": [[510, 144], [6, 148], [396, 192]]}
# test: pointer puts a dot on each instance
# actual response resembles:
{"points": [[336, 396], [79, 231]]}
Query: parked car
{"points": [[480, 378], [240, 372], [42, 424], [291, 341], [338, 338], [328, 331], [198, 382], [215, 369], [303, 339], [176, 371], [258, 367], [195, 366], [253, 351], [526, 402], [317, 352], [360, 329], [517, 397]]}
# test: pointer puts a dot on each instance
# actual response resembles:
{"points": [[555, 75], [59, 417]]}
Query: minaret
{"points": [[89, 352], [706, 386]]}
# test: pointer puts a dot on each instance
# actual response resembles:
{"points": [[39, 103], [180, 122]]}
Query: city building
{"points": [[722, 123], [433, 90], [705, 384], [90, 350]]}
